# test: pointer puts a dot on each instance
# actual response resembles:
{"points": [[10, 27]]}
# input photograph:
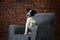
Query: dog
{"points": [[31, 22]]}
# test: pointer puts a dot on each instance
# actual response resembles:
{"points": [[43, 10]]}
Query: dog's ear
{"points": [[28, 9]]}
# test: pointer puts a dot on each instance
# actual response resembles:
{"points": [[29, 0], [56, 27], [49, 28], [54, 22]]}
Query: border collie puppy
{"points": [[31, 22]]}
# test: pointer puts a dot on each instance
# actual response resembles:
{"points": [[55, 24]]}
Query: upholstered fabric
{"points": [[45, 22], [16, 32]]}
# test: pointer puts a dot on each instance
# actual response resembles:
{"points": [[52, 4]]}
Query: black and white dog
{"points": [[31, 22]]}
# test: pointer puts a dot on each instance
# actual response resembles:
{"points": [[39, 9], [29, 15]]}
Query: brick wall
{"points": [[14, 12]]}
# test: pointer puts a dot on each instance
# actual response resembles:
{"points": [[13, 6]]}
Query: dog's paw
{"points": [[25, 33]]}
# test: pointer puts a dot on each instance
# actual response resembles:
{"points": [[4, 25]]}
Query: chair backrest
{"points": [[45, 22], [45, 18]]}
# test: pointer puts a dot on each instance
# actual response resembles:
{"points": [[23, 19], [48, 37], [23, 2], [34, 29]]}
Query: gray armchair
{"points": [[43, 30]]}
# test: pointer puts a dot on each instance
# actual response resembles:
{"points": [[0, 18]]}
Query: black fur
{"points": [[32, 13]]}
